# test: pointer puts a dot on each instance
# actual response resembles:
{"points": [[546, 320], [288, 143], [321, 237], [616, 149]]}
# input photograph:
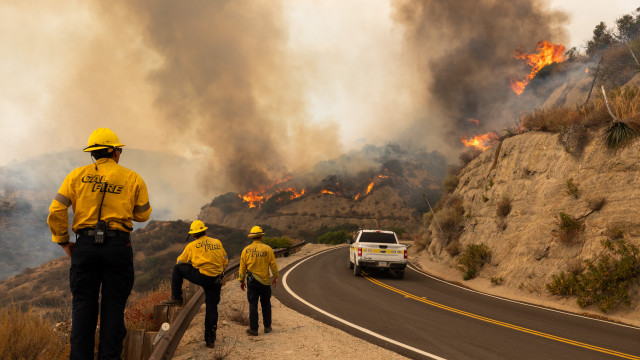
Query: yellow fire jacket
{"points": [[205, 254], [125, 199], [257, 258]]}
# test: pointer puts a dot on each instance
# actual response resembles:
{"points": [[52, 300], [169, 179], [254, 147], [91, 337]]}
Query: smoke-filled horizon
{"points": [[253, 90]]}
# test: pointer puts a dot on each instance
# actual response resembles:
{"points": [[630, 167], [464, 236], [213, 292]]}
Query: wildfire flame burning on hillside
{"points": [[480, 142], [545, 54], [255, 198]]}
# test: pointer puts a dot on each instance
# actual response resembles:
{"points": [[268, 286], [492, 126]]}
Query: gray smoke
{"points": [[225, 81], [464, 50]]}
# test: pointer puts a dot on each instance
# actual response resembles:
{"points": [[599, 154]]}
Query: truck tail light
{"points": [[405, 254], [359, 252]]}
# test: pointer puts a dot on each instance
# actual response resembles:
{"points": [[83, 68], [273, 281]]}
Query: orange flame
{"points": [[586, 71], [357, 196], [295, 194], [251, 198], [327, 192], [369, 188], [257, 196], [546, 53], [481, 142]]}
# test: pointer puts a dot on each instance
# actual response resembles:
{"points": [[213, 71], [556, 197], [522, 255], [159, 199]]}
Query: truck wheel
{"points": [[357, 270], [350, 264], [400, 274]]}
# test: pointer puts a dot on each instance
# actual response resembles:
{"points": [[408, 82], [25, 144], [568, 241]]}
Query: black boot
{"points": [[210, 338]]}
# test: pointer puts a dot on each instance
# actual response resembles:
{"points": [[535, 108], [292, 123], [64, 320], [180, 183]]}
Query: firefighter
{"points": [[105, 198], [255, 261], [202, 262]]}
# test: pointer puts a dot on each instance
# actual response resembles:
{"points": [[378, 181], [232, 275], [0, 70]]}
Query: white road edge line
{"points": [[364, 330], [412, 267]]}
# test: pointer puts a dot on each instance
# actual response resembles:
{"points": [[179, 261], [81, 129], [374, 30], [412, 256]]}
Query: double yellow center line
{"points": [[501, 323]]}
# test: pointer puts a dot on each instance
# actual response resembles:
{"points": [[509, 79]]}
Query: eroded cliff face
{"points": [[532, 170]]}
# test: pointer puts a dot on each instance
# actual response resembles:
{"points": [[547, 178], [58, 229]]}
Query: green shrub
{"points": [[314, 236], [572, 188], [472, 259], [619, 134], [606, 280], [335, 237], [568, 228], [278, 242]]}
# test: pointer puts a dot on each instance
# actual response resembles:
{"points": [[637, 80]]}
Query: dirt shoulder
{"points": [[294, 335]]}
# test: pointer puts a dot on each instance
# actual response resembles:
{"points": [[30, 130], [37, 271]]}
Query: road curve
{"points": [[423, 317]]}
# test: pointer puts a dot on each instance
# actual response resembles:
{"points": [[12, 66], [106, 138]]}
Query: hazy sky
{"points": [[586, 14], [346, 57]]}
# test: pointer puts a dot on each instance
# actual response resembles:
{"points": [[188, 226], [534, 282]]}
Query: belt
{"points": [[108, 233]]}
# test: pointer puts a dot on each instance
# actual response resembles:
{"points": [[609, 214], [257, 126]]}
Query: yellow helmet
{"points": [[102, 138], [197, 227], [256, 232]]}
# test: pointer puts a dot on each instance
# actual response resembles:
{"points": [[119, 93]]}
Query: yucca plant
{"points": [[619, 134]]}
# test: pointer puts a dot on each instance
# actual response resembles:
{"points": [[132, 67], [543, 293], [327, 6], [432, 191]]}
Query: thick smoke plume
{"points": [[227, 84], [465, 52]]}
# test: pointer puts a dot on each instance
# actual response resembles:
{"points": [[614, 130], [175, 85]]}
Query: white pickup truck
{"points": [[377, 249]]}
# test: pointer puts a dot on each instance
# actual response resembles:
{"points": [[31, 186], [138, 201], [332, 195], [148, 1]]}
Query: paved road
{"points": [[422, 317]]}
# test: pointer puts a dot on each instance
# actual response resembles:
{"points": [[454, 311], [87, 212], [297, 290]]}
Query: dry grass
{"points": [[625, 104], [26, 335], [224, 348], [454, 248], [503, 207], [239, 313], [139, 311], [554, 119]]}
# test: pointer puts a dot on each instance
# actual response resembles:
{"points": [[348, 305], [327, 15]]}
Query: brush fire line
{"points": [[377, 249]]}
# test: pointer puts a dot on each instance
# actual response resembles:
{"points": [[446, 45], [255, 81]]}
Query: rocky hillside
{"points": [[383, 208], [387, 194], [539, 179]]}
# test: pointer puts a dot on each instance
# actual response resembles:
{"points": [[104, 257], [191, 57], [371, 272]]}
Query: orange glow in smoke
{"points": [[545, 53], [474, 121]]}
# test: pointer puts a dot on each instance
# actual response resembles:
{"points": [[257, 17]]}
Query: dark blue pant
{"points": [[255, 291], [106, 268], [210, 285]]}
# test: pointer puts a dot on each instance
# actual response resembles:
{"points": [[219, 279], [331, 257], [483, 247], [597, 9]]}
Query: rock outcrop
{"points": [[532, 171]]}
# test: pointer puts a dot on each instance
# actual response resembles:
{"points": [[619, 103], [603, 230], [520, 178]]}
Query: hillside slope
{"points": [[533, 171]]}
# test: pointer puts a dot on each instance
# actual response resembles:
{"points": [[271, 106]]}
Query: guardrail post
{"points": [[133, 344], [147, 344]]}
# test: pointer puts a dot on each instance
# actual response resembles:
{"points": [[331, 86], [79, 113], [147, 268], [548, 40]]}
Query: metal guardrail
{"points": [[168, 344]]}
